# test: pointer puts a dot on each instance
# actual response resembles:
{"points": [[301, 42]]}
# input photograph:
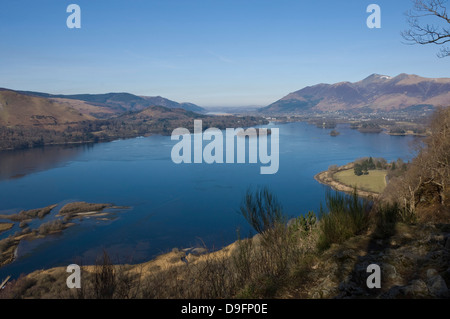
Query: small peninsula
{"points": [[369, 176]]}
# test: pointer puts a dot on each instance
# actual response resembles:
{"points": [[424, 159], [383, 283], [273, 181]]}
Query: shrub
{"points": [[262, 210], [6, 243], [104, 278], [347, 216], [51, 226]]}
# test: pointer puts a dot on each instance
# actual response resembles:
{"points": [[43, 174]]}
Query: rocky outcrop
{"points": [[414, 263]]}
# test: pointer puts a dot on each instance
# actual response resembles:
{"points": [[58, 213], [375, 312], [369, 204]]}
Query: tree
{"points": [[427, 178], [371, 164], [436, 153], [262, 210], [378, 165], [429, 24], [358, 170]]}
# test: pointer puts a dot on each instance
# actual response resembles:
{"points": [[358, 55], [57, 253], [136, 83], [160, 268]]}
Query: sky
{"points": [[207, 52]]}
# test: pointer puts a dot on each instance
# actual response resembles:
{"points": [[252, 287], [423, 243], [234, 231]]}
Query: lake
{"points": [[170, 205]]}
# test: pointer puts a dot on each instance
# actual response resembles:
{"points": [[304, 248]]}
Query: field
{"points": [[374, 182]]}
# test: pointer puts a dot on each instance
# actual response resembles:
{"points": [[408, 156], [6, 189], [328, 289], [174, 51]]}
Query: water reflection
{"points": [[19, 163]]}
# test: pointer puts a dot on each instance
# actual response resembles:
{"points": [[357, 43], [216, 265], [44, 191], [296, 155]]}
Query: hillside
{"points": [[376, 93], [160, 112], [160, 101], [22, 110], [102, 105], [36, 119], [163, 120]]}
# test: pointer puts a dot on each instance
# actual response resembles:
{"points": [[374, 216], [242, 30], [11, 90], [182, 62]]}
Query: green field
{"points": [[374, 182]]}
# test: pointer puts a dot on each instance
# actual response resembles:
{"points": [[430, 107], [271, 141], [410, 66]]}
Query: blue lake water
{"points": [[170, 205]]}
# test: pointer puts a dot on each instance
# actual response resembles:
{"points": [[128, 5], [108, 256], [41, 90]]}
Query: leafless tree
{"points": [[429, 24], [427, 179], [438, 152]]}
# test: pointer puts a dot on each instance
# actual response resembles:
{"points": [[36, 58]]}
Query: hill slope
{"points": [[115, 103], [36, 119], [376, 93], [23, 110]]}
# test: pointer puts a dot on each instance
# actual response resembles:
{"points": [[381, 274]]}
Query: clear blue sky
{"points": [[210, 52]]}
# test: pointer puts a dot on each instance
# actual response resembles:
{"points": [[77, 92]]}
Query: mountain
{"points": [[376, 93], [24, 110], [103, 105], [160, 101], [159, 113], [30, 119]]}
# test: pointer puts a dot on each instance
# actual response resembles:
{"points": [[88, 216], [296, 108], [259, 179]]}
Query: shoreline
{"points": [[56, 225], [324, 179]]}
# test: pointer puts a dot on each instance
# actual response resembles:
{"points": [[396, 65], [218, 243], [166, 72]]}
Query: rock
{"points": [[326, 289], [431, 273], [389, 271], [345, 254], [437, 286], [447, 243], [417, 288]]}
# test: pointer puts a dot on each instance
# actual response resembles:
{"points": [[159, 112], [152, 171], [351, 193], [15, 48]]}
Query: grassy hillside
{"points": [[23, 110], [375, 181]]}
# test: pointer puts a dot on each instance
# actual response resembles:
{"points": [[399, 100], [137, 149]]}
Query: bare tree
{"points": [[262, 210], [427, 179], [429, 24], [438, 152]]}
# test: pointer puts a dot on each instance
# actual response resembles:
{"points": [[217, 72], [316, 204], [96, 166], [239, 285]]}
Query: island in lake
{"points": [[69, 212]]}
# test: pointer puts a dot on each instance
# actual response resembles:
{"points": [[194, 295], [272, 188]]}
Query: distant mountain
{"points": [[24, 110], [30, 119], [160, 113], [102, 105], [160, 101], [376, 93]]}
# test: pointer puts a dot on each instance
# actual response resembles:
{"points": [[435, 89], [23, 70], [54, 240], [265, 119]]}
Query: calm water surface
{"points": [[170, 205]]}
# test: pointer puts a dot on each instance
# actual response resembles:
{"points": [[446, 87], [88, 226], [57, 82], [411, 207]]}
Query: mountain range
{"points": [[105, 105], [32, 119], [376, 93]]}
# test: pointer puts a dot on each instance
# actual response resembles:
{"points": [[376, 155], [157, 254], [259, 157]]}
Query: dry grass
{"points": [[82, 207], [374, 182], [5, 226], [29, 214], [21, 109], [257, 267]]}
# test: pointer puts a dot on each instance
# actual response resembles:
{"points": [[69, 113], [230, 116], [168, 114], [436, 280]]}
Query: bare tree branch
{"points": [[429, 24]]}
